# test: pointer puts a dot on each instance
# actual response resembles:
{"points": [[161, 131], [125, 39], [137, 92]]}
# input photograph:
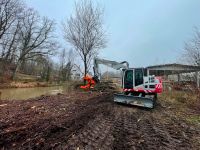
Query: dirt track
{"points": [[77, 121]]}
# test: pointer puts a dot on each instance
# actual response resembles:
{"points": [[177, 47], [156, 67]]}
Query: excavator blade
{"points": [[146, 102]]}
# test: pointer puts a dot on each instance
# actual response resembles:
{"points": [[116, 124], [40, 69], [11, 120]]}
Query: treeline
{"points": [[27, 40]]}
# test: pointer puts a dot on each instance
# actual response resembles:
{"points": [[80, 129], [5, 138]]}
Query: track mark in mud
{"points": [[126, 135], [96, 134], [158, 134]]}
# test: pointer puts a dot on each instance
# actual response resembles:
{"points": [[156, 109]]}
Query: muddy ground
{"points": [[92, 121]]}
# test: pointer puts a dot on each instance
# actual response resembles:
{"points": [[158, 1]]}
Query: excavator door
{"points": [[132, 78]]}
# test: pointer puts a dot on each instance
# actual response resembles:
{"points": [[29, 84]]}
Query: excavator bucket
{"points": [[147, 102]]}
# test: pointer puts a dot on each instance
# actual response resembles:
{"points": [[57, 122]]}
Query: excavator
{"points": [[139, 88]]}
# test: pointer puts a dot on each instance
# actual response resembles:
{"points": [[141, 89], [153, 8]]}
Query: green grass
{"points": [[194, 119]]}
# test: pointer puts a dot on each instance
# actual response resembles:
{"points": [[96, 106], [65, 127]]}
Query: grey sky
{"points": [[142, 32]]}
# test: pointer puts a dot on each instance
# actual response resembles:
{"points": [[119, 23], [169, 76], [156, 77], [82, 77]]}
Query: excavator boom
{"points": [[109, 63]]}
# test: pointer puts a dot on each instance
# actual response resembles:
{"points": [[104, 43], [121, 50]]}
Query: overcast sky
{"points": [[142, 32]]}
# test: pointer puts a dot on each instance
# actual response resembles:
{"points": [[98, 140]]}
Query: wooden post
{"points": [[178, 75], [107, 74], [197, 76]]}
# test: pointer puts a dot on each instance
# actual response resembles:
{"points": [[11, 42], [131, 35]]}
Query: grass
{"points": [[184, 104], [180, 97], [194, 119]]}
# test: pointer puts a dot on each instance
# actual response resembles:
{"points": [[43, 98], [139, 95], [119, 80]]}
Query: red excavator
{"points": [[139, 88]]}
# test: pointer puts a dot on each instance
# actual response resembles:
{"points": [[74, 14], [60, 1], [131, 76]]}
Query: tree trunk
{"points": [[48, 74], [15, 71], [85, 67]]}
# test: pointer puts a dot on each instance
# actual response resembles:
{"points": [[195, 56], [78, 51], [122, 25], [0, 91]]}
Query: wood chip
{"points": [[2, 105]]}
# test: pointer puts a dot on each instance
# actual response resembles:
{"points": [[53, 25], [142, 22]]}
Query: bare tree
{"points": [[9, 11], [35, 37], [25, 36], [192, 49], [10, 14], [191, 53], [66, 64], [84, 31], [9, 43]]}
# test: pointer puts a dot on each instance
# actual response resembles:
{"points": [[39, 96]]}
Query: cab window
{"points": [[128, 79], [138, 77]]}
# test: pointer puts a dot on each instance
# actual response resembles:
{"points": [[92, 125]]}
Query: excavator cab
{"points": [[132, 78]]}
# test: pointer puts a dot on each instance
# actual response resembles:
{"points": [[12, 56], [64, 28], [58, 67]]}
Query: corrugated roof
{"points": [[174, 65]]}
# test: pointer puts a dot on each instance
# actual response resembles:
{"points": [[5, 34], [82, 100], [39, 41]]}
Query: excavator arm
{"points": [[109, 63], [91, 81]]}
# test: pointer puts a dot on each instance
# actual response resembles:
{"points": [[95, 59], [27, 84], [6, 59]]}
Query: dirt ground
{"points": [[92, 121]]}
